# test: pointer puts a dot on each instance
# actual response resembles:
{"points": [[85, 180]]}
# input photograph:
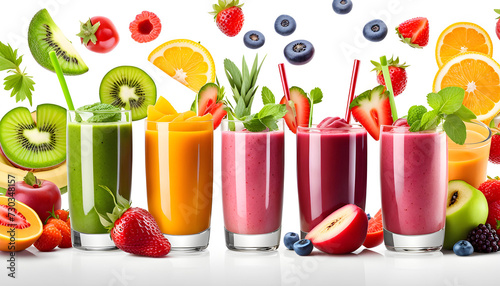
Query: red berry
{"points": [[229, 17], [491, 189], [50, 238], [414, 32], [498, 23], [65, 230], [146, 27], [61, 214], [397, 73], [494, 215], [495, 149]]}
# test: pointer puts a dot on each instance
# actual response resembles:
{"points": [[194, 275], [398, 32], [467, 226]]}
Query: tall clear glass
{"points": [[414, 183], [98, 154], [331, 171], [179, 175], [252, 186]]}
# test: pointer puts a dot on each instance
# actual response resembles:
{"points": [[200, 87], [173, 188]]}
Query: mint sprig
{"points": [[315, 97], [448, 109]]}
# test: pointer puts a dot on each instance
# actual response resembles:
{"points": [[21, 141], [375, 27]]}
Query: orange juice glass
{"points": [[179, 174], [468, 162]]}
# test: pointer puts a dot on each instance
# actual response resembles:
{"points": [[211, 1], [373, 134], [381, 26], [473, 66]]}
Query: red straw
{"points": [[284, 81], [352, 89]]}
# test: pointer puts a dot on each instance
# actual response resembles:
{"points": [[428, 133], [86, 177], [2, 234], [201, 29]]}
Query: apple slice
{"points": [[341, 232]]}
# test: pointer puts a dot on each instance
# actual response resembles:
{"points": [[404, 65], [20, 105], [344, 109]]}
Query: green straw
{"points": [[62, 81], [388, 84]]}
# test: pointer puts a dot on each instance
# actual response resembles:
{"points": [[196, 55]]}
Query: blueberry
{"points": [[463, 248], [289, 239], [375, 30], [342, 6], [299, 52], [368, 216], [303, 247], [285, 25], [254, 39]]}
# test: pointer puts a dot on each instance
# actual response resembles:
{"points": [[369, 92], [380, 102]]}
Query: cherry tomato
{"points": [[99, 34]]}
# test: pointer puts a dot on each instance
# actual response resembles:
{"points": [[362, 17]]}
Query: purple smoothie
{"points": [[331, 171], [414, 180], [252, 181]]}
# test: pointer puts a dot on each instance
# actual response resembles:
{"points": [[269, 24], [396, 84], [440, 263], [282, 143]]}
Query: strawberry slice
{"points": [[210, 101], [302, 109], [414, 32], [372, 109], [10, 217]]}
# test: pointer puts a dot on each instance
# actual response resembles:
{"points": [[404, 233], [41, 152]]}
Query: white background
{"points": [[338, 40]]}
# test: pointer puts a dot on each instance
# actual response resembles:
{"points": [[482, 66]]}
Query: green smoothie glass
{"points": [[99, 153]]}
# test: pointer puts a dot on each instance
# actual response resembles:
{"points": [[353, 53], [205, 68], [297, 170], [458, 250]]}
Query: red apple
{"points": [[42, 196], [341, 232]]}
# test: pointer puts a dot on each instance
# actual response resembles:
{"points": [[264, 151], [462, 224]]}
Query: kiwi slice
{"points": [[44, 36], [130, 88], [31, 144]]}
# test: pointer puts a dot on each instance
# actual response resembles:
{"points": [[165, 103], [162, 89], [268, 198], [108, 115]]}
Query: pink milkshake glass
{"points": [[414, 183], [252, 186], [331, 171]]}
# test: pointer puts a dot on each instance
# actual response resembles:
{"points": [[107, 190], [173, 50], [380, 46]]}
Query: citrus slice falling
{"points": [[462, 37], [375, 235], [186, 61], [479, 75]]}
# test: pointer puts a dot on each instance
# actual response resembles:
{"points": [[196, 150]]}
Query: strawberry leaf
{"points": [[19, 82]]}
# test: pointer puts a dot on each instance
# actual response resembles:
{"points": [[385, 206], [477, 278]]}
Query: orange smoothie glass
{"points": [[179, 174], [468, 162]]}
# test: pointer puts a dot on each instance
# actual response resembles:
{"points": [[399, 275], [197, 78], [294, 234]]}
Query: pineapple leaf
{"points": [[234, 73]]}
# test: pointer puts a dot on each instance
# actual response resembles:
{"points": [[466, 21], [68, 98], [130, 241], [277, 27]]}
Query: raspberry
{"points": [[146, 27], [484, 239]]}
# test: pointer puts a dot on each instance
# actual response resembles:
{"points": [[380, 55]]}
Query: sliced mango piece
{"points": [[163, 106], [183, 116], [154, 114], [205, 117], [167, 118]]}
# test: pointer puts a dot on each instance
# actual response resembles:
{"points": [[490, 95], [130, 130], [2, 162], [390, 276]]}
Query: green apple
{"points": [[466, 208]]}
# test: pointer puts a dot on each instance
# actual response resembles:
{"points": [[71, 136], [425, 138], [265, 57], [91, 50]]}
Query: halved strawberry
{"points": [[414, 32], [210, 101], [302, 109], [372, 109]]}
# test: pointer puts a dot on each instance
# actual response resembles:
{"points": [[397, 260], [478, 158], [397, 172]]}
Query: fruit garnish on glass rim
{"points": [[447, 109], [397, 73]]}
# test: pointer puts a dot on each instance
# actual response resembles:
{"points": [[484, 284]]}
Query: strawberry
{"points": [[495, 148], [50, 238], [491, 189], [229, 17], [494, 215], [134, 230], [68, 222], [414, 32], [65, 230], [372, 109], [299, 115], [397, 73], [60, 214], [498, 24], [210, 100]]}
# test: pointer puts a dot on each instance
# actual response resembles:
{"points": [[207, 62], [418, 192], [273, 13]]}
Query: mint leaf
{"points": [[435, 101], [415, 127], [267, 96], [277, 111], [455, 129], [269, 122], [430, 120], [254, 125], [452, 98], [415, 113], [466, 114], [316, 95]]}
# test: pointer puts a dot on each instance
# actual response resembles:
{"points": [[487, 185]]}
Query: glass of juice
{"points": [[468, 162], [331, 171], [179, 174], [99, 153], [252, 186], [414, 186]]}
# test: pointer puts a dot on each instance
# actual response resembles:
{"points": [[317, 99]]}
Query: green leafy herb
{"points": [[315, 97], [266, 118], [31, 180], [448, 108], [19, 81], [267, 96]]}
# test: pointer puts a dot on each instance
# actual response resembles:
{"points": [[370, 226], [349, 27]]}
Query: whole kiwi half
{"points": [[130, 88], [30, 144], [44, 36]]}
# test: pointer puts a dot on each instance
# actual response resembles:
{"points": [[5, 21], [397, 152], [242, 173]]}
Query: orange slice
{"points": [[462, 37], [186, 61], [479, 75]]}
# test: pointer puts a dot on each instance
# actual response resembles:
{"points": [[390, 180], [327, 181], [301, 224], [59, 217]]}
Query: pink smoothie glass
{"points": [[252, 186], [331, 171], [414, 183]]}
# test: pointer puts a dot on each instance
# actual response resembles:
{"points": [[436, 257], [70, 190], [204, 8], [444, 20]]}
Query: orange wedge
{"points": [[479, 75], [462, 37], [186, 61]]}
